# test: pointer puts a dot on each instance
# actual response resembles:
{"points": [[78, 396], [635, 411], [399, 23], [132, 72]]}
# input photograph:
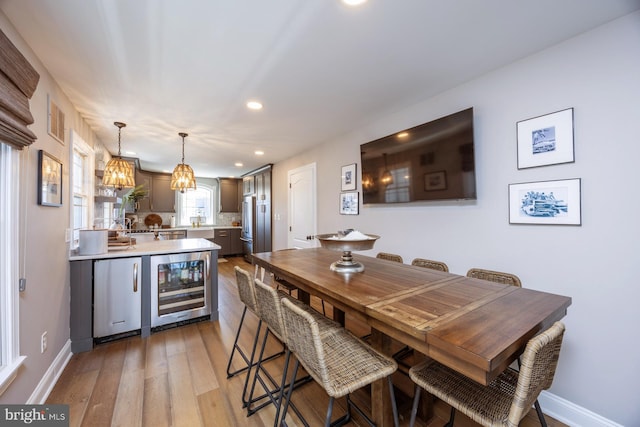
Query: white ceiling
{"points": [[320, 68]]}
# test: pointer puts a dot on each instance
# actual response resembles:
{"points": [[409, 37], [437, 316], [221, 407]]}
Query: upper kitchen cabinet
{"points": [[160, 196], [248, 185], [163, 198], [230, 194], [146, 179]]}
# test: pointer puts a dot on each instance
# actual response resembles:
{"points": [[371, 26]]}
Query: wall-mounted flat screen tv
{"points": [[432, 161]]}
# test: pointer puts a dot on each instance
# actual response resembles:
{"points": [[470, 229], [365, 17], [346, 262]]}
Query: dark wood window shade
{"points": [[18, 82]]}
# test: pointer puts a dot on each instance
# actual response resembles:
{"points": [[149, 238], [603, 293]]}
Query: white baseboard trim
{"points": [[571, 414], [49, 379]]}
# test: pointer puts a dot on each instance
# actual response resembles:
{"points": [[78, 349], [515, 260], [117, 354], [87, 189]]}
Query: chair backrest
{"points": [[246, 289], [269, 308], [303, 339], [427, 263], [537, 369], [389, 257], [495, 276]]}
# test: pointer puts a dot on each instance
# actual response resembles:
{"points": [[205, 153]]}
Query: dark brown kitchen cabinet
{"points": [[236, 243], [262, 234], [229, 241], [222, 237], [230, 200], [163, 198], [160, 196], [144, 178], [248, 187]]}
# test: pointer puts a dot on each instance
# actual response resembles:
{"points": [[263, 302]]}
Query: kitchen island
{"points": [[122, 291]]}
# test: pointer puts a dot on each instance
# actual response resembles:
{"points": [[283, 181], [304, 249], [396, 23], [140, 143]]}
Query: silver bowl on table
{"points": [[340, 243]]}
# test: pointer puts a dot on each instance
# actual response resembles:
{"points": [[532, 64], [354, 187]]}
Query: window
{"points": [[82, 186], [199, 202], [398, 191], [10, 168]]}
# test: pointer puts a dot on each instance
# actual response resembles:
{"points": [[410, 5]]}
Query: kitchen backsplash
{"points": [[223, 218]]}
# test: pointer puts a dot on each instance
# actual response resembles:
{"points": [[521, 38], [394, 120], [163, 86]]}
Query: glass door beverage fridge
{"points": [[180, 287]]}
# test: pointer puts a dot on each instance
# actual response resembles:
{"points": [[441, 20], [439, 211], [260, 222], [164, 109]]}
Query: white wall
{"points": [[44, 306], [598, 74]]}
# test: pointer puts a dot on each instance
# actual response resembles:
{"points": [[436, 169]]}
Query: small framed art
{"points": [[349, 203], [348, 177], [435, 181], [546, 140], [49, 180], [546, 202]]}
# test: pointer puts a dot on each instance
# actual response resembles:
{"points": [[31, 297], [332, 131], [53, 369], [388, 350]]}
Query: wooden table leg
{"points": [[381, 411]]}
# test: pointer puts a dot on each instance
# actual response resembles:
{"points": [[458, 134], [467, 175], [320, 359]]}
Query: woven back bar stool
{"points": [[246, 292], [508, 398], [270, 312], [338, 361], [389, 257], [427, 263], [495, 276]]}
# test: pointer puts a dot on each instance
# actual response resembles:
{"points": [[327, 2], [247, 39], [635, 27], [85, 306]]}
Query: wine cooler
{"points": [[180, 286]]}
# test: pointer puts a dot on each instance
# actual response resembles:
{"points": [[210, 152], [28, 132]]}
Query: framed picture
{"points": [[546, 140], [55, 121], [349, 203], [49, 180], [435, 181], [348, 177], [546, 202]]}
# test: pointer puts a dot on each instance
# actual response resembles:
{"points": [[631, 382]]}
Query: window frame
{"points": [[88, 184], [12, 164], [212, 187]]}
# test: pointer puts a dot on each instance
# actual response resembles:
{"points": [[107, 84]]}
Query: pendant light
{"points": [[118, 172], [183, 178], [387, 178]]}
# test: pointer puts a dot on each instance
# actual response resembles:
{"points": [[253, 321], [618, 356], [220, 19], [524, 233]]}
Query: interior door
{"points": [[302, 207]]}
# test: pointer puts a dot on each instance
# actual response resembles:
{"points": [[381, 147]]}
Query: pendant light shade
{"points": [[183, 177], [118, 173]]}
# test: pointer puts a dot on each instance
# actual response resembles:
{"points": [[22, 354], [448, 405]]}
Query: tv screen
{"points": [[432, 161]]}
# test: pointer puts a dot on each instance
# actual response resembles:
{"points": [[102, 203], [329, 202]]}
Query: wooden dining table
{"points": [[474, 326]]}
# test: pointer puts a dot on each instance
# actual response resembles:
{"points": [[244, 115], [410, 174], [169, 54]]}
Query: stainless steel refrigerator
{"points": [[248, 225]]}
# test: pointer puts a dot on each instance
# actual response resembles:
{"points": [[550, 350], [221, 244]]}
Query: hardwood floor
{"points": [[177, 377]]}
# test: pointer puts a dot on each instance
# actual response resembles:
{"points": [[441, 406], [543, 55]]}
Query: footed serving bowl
{"points": [[346, 243]]}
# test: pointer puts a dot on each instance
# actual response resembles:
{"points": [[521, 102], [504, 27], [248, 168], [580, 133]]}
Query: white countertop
{"points": [[155, 247]]}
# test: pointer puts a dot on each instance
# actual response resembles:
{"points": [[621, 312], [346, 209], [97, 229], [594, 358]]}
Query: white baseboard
{"points": [[571, 414], [49, 379]]}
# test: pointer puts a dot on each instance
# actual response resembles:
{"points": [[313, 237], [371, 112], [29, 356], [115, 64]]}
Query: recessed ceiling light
{"points": [[259, 153], [254, 105], [354, 2], [239, 165], [403, 134]]}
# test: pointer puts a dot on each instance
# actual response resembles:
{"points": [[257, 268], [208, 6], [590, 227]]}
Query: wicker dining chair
{"points": [[495, 276], [427, 263], [508, 398], [247, 295], [270, 312], [389, 257], [338, 361]]}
